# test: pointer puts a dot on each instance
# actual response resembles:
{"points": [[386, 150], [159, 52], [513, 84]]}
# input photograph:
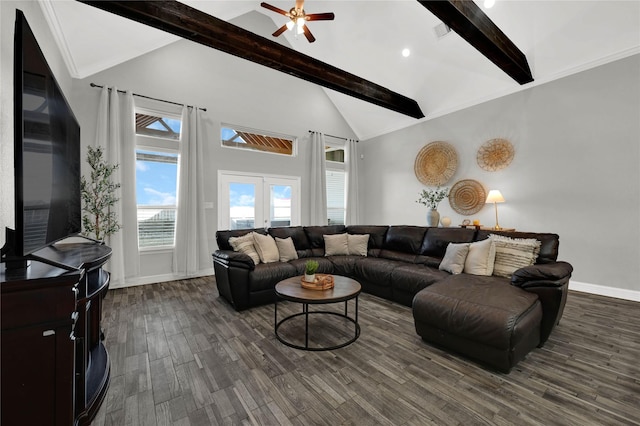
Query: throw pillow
{"points": [[336, 245], [481, 258], [513, 254], [286, 249], [454, 257], [266, 248], [358, 244], [244, 244]]}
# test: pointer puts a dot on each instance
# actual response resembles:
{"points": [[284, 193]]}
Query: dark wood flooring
{"points": [[181, 356]]}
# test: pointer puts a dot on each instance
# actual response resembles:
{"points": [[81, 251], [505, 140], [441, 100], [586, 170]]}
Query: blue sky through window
{"points": [[156, 181]]}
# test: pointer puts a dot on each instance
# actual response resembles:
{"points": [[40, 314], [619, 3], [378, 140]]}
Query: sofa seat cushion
{"points": [[344, 265], [413, 278], [399, 256], [376, 270], [267, 275], [483, 309], [324, 265]]}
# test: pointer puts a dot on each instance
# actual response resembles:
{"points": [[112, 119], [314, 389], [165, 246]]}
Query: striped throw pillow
{"points": [[244, 244], [513, 254]]}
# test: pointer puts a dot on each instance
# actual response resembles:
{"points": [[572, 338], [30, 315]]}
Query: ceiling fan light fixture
{"points": [[300, 21], [300, 29], [290, 25]]}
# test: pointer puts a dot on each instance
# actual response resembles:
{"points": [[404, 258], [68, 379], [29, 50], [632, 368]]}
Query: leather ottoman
{"points": [[483, 318]]}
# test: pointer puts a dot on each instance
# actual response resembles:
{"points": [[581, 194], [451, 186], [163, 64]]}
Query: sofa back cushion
{"points": [[548, 247], [222, 237], [437, 239], [405, 239], [316, 234], [296, 233], [377, 234]]}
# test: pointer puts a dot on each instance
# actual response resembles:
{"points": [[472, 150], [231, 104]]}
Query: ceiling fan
{"points": [[298, 18]]}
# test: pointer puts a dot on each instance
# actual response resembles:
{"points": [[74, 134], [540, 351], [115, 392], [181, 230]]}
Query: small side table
{"points": [[344, 290]]}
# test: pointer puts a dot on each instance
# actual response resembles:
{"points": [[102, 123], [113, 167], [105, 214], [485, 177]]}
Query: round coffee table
{"points": [[344, 290]]}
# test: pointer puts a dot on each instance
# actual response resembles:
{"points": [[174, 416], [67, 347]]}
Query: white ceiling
{"points": [[366, 38]]}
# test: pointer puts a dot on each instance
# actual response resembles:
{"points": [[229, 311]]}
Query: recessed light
{"points": [[488, 4], [406, 52]]}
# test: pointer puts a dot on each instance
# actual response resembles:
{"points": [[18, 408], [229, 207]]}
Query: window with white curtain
{"points": [[157, 155], [336, 181]]}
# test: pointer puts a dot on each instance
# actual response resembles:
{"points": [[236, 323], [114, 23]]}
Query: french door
{"points": [[255, 201]]}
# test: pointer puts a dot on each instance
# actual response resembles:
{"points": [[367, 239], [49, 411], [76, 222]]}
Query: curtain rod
{"points": [[337, 137], [147, 97]]}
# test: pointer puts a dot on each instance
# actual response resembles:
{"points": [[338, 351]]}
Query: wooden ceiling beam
{"points": [[192, 24], [473, 25]]}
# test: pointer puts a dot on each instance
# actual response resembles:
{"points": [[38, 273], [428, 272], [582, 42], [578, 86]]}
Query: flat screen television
{"points": [[47, 151]]}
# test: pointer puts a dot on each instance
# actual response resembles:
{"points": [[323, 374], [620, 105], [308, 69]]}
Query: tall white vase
{"points": [[433, 218]]}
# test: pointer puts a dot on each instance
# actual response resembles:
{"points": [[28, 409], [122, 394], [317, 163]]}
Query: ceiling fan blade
{"points": [[320, 16], [308, 34], [274, 9], [280, 31]]}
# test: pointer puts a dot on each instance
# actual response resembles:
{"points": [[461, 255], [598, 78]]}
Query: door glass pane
{"points": [[242, 205], [280, 205]]}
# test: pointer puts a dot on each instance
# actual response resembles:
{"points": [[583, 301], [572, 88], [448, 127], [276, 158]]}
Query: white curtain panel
{"points": [[115, 134], [191, 253], [317, 181], [352, 214]]}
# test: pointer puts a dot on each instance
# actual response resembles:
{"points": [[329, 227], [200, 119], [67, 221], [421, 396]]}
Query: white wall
{"points": [[38, 25], [233, 91], [575, 171]]}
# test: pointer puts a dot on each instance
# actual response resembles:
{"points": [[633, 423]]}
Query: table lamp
{"points": [[495, 197]]}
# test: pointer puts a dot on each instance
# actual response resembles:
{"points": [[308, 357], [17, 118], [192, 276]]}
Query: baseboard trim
{"points": [[153, 279], [601, 290]]}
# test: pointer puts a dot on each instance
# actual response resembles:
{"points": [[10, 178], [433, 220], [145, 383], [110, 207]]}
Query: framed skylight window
{"points": [[238, 137]]}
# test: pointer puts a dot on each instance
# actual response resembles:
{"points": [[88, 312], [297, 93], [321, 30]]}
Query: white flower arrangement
{"points": [[432, 197]]}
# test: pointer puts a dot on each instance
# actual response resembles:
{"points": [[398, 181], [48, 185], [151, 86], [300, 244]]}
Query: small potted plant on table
{"points": [[310, 268]]}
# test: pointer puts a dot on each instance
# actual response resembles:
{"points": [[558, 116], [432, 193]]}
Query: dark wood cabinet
{"points": [[55, 368]]}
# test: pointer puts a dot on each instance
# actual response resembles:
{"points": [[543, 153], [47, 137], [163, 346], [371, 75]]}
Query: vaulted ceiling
{"points": [[442, 74]]}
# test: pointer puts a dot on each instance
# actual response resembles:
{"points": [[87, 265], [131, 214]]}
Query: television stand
{"points": [[55, 367]]}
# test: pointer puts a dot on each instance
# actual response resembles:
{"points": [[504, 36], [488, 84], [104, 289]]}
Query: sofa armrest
{"points": [[235, 259], [553, 274], [550, 281]]}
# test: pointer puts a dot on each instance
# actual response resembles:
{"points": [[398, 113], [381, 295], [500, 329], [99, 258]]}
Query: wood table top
{"points": [[344, 289]]}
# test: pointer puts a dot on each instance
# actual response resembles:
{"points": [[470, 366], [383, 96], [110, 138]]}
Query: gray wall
{"points": [[38, 25], [233, 91], [575, 171]]}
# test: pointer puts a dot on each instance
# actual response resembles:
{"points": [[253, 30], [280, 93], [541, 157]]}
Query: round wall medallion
{"points": [[467, 197], [495, 154], [436, 163]]}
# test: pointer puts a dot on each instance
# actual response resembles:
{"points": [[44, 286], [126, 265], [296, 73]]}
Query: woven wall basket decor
{"points": [[495, 154], [436, 163], [467, 197]]}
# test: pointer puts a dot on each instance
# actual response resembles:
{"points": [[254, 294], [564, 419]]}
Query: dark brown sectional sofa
{"points": [[491, 319]]}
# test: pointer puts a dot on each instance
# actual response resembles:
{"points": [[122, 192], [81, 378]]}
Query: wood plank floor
{"points": [[181, 356]]}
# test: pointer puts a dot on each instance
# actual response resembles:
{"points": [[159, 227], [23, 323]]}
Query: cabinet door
{"points": [[37, 376]]}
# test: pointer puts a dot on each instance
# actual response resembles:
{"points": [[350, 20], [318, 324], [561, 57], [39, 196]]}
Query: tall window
{"points": [[157, 153], [336, 183], [257, 140]]}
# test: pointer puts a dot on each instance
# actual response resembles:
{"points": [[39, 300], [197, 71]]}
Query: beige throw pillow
{"points": [[336, 245], [481, 258], [513, 254], [266, 248], [358, 244], [244, 244], [454, 257], [286, 249]]}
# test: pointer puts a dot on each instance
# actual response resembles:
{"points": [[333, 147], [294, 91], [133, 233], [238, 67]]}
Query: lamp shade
{"points": [[494, 197]]}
